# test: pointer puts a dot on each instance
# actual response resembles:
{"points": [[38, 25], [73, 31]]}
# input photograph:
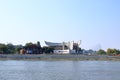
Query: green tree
{"points": [[47, 50], [29, 44], [101, 52], [113, 51], [3, 48], [116, 51], [18, 48], [39, 47], [10, 48], [38, 44], [110, 51]]}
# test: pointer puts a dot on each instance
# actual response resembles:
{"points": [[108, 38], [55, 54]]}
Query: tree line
{"points": [[109, 52], [34, 47]]}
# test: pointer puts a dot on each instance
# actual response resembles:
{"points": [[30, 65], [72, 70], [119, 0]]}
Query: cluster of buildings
{"points": [[58, 48]]}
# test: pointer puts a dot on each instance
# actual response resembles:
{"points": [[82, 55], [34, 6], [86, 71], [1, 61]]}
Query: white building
{"points": [[64, 47]]}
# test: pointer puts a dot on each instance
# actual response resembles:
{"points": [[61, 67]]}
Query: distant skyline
{"points": [[95, 22]]}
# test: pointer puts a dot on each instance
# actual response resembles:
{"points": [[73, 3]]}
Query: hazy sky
{"points": [[95, 22]]}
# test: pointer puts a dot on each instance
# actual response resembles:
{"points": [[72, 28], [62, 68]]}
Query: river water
{"points": [[59, 70]]}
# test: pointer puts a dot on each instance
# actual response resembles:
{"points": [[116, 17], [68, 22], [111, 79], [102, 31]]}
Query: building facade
{"points": [[65, 47]]}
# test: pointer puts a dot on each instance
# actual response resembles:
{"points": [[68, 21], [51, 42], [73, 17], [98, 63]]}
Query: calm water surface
{"points": [[59, 70]]}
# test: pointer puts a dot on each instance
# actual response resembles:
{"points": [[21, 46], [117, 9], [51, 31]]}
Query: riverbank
{"points": [[56, 57]]}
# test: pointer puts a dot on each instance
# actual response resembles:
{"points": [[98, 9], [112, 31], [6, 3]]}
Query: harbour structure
{"points": [[65, 47]]}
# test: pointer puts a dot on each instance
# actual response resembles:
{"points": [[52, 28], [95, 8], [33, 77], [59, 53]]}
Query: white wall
{"points": [[62, 51]]}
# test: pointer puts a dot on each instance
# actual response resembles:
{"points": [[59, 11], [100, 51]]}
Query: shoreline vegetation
{"points": [[58, 57], [34, 51]]}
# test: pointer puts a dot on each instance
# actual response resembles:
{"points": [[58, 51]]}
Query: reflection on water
{"points": [[59, 70]]}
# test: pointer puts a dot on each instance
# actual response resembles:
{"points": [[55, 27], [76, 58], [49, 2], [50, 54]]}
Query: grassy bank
{"points": [[57, 57]]}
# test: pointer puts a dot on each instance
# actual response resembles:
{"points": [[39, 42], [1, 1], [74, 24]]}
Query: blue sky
{"points": [[95, 22]]}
